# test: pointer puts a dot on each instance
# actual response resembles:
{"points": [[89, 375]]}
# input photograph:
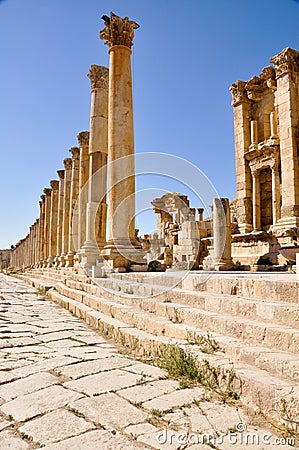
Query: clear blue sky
{"points": [[186, 55]]}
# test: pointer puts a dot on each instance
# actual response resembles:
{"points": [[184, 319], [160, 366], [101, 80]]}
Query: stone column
{"points": [[59, 217], [98, 147], [41, 228], [121, 251], [73, 213], [254, 132], [53, 222], [200, 214], [286, 65], [67, 162], [256, 201], [83, 140], [242, 114], [37, 243], [273, 125], [47, 192], [222, 234], [275, 194]]}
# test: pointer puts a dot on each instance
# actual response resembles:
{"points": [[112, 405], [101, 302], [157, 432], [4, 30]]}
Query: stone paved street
{"points": [[63, 386]]}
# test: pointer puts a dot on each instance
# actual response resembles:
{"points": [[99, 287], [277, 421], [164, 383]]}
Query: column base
{"points": [[56, 261], [89, 254], [69, 259], [285, 223], [123, 258], [62, 260], [224, 264], [50, 261]]}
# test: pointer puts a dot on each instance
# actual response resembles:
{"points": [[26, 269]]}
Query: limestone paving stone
{"points": [[104, 382], [82, 369], [109, 410], [147, 369], [88, 352], [175, 399], [32, 383], [96, 440], [49, 363], [48, 337], [55, 426], [148, 391], [3, 424], [10, 441], [27, 406]]}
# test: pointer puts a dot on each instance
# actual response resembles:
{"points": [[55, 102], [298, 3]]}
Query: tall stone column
{"points": [[286, 65], [222, 234], [59, 217], [47, 192], [98, 147], [67, 162], [242, 135], [73, 213], [41, 228], [256, 201], [83, 140], [53, 222], [121, 250], [275, 194]]}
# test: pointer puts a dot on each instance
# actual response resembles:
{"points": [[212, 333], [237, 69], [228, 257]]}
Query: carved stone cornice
{"points": [[118, 30], [54, 185], [47, 191], [238, 91], [287, 61], [60, 173], [269, 76], [83, 138], [99, 77], [75, 151], [67, 162]]}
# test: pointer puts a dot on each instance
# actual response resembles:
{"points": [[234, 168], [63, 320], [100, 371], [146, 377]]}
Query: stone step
{"points": [[282, 364], [259, 389]]}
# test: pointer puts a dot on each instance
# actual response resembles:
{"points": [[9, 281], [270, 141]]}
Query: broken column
{"points": [[121, 250], [222, 234]]}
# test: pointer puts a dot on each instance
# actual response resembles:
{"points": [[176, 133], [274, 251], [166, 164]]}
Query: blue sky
{"points": [[186, 55]]}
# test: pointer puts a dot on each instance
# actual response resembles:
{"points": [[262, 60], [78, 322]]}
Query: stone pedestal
{"points": [[222, 234], [122, 248], [98, 147]]}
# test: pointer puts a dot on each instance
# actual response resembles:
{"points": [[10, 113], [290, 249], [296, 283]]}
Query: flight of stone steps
{"points": [[253, 318]]}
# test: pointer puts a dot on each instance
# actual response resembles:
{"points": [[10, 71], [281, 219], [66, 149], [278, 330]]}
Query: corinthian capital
{"points": [[83, 138], [75, 152], [118, 30], [54, 185], [67, 162], [286, 61], [239, 93], [47, 191], [99, 76]]}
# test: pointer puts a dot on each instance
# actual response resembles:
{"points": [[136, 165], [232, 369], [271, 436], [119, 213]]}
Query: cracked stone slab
{"points": [[147, 369], [26, 385], [82, 369], [109, 410], [47, 364], [148, 391], [96, 440], [30, 405], [104, 382], [55, 426], [175, 399], [88, 352]]}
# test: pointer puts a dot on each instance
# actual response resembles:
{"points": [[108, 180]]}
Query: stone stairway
{"points": [[253, 318]]}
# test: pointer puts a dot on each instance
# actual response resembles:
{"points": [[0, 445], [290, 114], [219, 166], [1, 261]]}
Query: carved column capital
{"points": [[239, 93], [47, 191], [60, 174], [67, 162], [99, 77], [42, 198], [75, 152], [286, 61], [118, 30], [83, 138], [54, 185]]}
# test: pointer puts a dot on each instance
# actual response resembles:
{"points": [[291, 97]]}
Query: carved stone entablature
{"points": [[47, 191], [118, 30], [238, 91], [255, 88], [260, 159], [67, 162], [287, 61], [75, 152], [99, 77], [83, 138], [54, 185], [60, 174]]}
